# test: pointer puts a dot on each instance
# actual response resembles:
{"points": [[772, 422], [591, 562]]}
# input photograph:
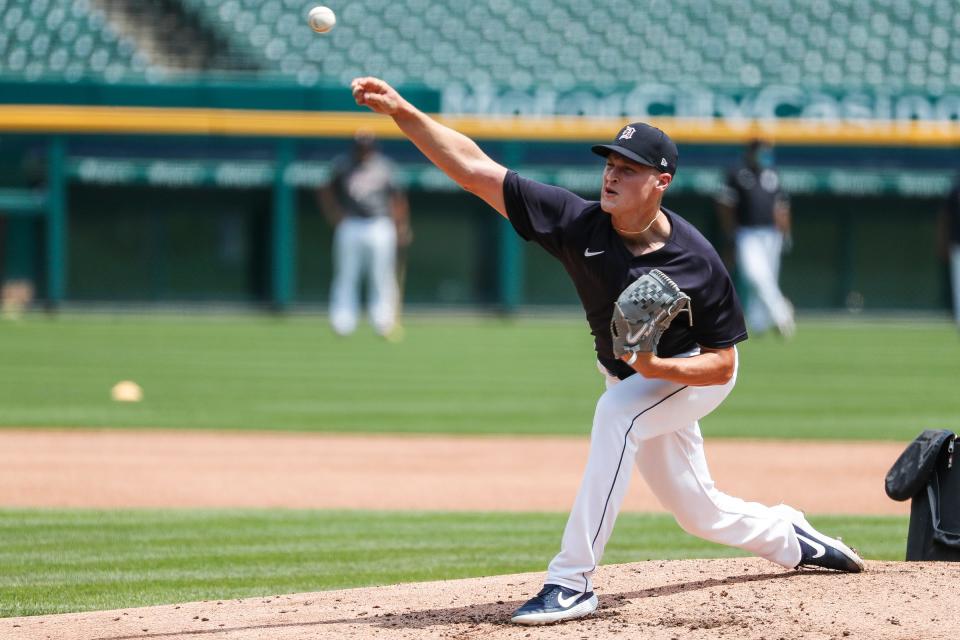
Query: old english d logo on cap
{"points": [[627, 133]]}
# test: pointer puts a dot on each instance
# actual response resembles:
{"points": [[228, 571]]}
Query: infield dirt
{"points": [[688, 600], [123, 469]]}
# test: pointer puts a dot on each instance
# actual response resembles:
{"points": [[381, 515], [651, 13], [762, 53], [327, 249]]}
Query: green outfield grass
{"points": [[452, 375], [59, 561]]}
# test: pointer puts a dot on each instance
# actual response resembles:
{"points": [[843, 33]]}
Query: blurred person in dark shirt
{"points": [[370, 216], [755, 214]]}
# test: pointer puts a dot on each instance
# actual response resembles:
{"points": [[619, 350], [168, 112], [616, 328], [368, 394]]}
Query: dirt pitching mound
{"points": [[690, 599]]}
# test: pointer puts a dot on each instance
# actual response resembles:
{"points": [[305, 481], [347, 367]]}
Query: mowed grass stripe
{"points": [[55, 561], [452, 375]]}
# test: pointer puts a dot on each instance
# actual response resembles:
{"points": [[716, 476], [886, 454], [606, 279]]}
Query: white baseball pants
{"points": [[654, 424], [364, 245], [758, 257], [955, 280]]}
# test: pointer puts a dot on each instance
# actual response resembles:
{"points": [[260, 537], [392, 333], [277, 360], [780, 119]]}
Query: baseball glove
{"points": [[643, 312]]}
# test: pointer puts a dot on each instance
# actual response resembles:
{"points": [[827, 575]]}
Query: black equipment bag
{"points": [[927, 473]]}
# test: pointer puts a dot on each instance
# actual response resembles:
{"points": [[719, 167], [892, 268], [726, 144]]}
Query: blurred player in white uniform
{"points": [[371, 217], [755, 213]]}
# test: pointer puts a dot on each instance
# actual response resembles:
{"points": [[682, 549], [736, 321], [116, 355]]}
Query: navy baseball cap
{"points": [[645, 144]]}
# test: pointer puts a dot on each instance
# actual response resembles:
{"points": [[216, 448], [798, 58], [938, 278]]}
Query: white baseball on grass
{"points": [[126, 391], [321, 19]]}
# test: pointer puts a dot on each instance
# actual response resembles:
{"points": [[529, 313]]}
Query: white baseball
{"points": [[321, 19], [126, 391]]}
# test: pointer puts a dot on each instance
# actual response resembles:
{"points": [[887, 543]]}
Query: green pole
{"points": [[283, 255], [56, 227], [510, 266]]}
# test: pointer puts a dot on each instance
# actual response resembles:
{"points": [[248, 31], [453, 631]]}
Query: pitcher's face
{"points": [[629, 186]]}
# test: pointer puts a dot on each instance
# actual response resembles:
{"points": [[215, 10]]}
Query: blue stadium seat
{"points": [[830, 45], [63, 40]]}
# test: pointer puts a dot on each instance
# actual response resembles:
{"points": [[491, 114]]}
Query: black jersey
{"points": [[753, 195], [363, 188], [581, 236]]}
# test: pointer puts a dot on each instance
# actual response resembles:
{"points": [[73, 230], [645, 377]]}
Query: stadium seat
{"points": [[63, 40], [829, 45]]}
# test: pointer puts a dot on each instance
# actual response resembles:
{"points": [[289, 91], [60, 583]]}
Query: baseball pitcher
{"points": [[665, 321]]}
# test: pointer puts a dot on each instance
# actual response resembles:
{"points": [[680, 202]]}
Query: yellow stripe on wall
{"points": [[246, 122]]}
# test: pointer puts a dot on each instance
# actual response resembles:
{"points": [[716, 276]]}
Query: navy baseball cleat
{"points": [[818, 550], [554, 604]]}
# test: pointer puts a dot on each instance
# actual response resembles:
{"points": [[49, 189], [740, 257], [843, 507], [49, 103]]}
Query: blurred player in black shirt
{"points": [[755, 214], [370, 216]]}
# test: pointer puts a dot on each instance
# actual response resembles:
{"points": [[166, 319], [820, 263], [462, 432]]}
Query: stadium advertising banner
{"points": [[653, 100]]}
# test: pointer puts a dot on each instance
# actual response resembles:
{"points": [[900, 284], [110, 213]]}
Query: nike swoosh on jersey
{"points": [[588, 253], [566, 602], [819, 548]]}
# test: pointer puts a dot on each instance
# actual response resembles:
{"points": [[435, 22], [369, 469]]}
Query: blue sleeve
{"points": [[540, 213]]}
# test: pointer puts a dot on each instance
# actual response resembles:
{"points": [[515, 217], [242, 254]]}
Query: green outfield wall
{"points": [[142, 244], [120, 229]]}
